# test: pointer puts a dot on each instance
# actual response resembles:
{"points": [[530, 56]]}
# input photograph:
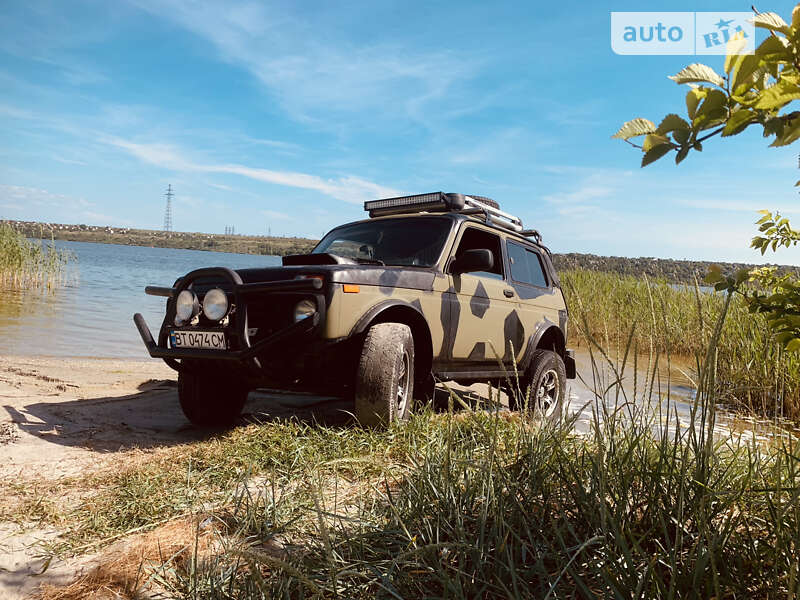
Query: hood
{"points": [[338, 269]]}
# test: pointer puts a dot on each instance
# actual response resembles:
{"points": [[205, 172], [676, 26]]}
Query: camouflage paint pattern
{"points": [[471, 317]]}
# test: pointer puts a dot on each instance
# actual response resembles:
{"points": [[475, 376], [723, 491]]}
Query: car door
{"points": [[483, 316], [538, 301]]}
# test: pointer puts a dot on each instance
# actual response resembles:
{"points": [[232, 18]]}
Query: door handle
{"points": [[508, 293]]}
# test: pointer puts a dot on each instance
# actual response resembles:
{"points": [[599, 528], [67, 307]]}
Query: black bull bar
{"points": [[237, 332]]}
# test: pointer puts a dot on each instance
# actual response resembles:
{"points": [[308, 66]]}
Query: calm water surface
{"points": [[93, 315]]}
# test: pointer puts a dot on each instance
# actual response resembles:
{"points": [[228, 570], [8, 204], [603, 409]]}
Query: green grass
{"points": [[753, 373], [490, 507], [488, 504], [25, 264], [473, 504]]}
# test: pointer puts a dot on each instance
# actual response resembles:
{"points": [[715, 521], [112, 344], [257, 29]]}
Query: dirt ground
{"points": [[62, 418]]}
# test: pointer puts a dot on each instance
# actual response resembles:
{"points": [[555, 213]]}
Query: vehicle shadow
{"points": [[153, 418]]}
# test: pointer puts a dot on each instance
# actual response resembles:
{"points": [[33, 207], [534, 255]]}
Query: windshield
{"points": [[414, 242]]}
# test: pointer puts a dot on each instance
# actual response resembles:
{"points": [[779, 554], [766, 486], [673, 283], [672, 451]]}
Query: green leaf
{"points": [[773, 45], [733, 53], [693, 98], [738, 122], [681, 135], [655, 153], [670, 123], [696, 73], [742, 275], [634, 128], [714, 274], [715, 101], [778, 95], [789, 135], [771, 21], [681, 154], [793, 345], [742, 72], [652, 140]]}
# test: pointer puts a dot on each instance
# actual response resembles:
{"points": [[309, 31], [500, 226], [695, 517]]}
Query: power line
{"points": [[168, 211]]}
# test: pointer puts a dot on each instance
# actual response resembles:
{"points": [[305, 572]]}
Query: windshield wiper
{"points": [[369, 261]]}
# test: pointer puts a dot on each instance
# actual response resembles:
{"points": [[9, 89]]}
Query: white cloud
{"points": [[32, 203], [311, 75], [349, 188]]}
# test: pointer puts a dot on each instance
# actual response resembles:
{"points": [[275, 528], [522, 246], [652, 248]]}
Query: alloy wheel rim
{"points": [[547, 393], [402, 385]]}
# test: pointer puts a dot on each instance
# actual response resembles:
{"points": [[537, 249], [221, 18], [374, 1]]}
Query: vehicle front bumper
{"points": [[242, 350]]}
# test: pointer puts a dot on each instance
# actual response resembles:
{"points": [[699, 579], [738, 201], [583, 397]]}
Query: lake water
{"points": [[93, 315]]}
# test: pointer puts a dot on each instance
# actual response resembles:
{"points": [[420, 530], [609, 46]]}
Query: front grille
{"points": [[270, 313]]}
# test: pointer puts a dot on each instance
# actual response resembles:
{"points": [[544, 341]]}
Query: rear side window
{"points": [[526, 265]]}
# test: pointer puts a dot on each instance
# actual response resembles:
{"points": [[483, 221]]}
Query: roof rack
{"points": [[441, 202]]}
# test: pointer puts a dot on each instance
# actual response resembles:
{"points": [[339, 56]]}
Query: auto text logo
{"points": [[681, 32]]}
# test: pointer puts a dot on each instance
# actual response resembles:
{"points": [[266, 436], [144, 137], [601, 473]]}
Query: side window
{"points": [[526, 265], [476, 239]]}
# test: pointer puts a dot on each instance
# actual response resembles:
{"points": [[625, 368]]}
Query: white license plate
{"points": [[214, 340]]}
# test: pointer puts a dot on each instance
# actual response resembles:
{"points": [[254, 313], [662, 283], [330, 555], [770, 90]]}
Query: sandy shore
{"points": [[63, 418]]}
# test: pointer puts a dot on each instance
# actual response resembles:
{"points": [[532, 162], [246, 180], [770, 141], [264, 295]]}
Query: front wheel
{"points": [[544, 386], [209, 401], [384, 388]]}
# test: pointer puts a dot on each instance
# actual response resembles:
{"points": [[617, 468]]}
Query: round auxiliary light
{"points": [[186, 307], [304, 309], [215, 304]]}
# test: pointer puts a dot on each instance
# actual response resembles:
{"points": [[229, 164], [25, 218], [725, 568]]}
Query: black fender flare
{"points": [[533, 342], [388, 310]]}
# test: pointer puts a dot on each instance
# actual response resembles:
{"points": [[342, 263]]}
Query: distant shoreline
{"points": [[674, 271], [126, 236]]}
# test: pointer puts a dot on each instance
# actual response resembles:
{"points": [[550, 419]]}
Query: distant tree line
{"points": [[667, 269]]}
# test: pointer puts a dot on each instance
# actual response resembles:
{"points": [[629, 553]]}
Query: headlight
{"points": [[304, 309], [186, 307], [215, 304]]}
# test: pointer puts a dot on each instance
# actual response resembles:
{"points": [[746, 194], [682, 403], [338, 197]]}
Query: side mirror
{"points": [[473, 260]]}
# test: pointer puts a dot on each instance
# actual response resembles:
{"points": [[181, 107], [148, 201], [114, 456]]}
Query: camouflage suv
{"points": [[430, 287]]}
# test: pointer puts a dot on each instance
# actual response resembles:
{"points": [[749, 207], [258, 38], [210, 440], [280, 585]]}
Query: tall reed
{"points": [[753, 372], [27, 264]]}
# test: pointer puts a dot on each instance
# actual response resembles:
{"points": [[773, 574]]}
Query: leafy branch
{"points": [[756, 89]]}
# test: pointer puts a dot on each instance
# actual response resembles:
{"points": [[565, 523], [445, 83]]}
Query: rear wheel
{"points": [[544, 386], [209, 401], [384, 388]]}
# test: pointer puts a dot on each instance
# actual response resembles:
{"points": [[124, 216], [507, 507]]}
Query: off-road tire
{"points": [[546, 370], [387, 360], [209, 401]]}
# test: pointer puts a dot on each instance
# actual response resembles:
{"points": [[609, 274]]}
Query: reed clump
{"points": [[754, 374], [25, 264]]}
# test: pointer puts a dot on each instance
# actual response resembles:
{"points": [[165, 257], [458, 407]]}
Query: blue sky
{"points": [[288, 115]]}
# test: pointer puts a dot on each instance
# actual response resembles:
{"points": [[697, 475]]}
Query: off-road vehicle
{"points": [[430, 287]]}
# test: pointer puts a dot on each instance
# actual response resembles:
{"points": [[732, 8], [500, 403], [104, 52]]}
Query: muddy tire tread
{"points": [[376, 380]]}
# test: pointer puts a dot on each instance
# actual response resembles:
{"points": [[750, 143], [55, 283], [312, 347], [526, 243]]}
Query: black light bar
{"points": [[435, 201]]}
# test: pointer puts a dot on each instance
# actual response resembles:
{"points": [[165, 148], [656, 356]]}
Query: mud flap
{"points": [[569, 363]]}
